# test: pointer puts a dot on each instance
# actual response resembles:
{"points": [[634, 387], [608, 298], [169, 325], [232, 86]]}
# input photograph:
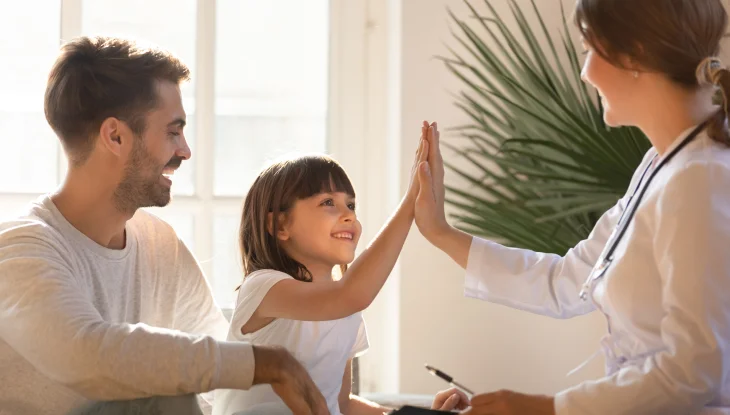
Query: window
{"points": [[29, 156], [268, 77], [140, 20], [271, 71], [259, 89], [270, 93]]}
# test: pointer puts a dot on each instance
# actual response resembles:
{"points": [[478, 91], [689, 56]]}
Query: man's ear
{"points": [[282, 233], [113, 135]]}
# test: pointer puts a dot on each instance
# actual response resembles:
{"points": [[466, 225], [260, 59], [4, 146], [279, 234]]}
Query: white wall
{"points": [[421, 316], [363, 104], [485, 346]]}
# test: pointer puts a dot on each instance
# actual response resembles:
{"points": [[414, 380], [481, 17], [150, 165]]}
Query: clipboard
{"points": [[413, 410]]}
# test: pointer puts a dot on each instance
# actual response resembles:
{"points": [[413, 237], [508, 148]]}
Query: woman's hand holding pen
{"points": [[497, 403], [449, 400], [506, 402]]}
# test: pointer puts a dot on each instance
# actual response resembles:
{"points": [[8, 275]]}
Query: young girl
{"points": [[298, 223]]}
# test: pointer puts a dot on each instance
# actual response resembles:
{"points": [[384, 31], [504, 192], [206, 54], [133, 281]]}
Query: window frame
{"points": [[347, 71], [361, 97]]}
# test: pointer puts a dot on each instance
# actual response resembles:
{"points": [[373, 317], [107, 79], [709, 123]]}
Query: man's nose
{"points": [[184, 150]]}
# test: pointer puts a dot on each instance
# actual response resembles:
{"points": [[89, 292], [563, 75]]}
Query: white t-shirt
{"points": [[323, 347], [79, 321]]}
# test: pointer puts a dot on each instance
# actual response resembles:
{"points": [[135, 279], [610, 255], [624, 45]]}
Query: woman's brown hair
{"points": [[679, 38], [274, 192]]}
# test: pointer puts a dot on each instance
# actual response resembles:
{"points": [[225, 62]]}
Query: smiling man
{"points": [[100, 300]]}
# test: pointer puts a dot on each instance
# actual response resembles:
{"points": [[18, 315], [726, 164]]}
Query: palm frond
{"points": [[539, 163]]}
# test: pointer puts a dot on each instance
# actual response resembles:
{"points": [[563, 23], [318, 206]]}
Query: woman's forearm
{"points": [[454, 243]]}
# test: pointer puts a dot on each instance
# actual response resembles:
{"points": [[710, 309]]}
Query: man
{"points": [[99, 300]]}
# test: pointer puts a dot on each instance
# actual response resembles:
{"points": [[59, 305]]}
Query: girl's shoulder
{"points": [[265, 274], [262, 278], [252, 291]]}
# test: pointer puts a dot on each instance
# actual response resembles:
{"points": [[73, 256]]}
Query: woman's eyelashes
{"points": [[586, 48]]}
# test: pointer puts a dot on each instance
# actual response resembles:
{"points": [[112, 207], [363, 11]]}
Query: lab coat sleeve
{"points": [[541, 283], [691, 241]]}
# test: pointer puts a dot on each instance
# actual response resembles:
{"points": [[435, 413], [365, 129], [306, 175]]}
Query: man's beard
{"points": [[140, 187]]}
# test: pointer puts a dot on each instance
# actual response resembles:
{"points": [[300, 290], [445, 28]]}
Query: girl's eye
{"points": [[351, 206], [328, 202]]}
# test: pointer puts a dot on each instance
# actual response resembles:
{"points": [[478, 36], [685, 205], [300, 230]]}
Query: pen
{"points": [[449, 379]]}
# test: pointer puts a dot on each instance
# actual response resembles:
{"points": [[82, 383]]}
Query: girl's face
{"points": [[619, 89], [321, 232]]}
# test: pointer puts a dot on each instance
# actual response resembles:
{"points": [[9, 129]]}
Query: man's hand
{"points": [[288, 378], [511, 403], [449, 400]]}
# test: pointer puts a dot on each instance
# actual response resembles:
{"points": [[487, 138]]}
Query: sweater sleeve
{"points": [[541, 283], [197, 311], [49, 318]]}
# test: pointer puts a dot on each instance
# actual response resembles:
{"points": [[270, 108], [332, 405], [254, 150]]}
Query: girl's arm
{"points": [[542, 283], [293, 299], [353, 404]]}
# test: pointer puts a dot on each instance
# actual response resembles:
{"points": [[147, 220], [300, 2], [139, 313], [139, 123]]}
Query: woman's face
{"points": [[618, 88]]}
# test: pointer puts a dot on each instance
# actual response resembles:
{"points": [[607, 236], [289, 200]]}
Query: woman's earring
{"points": [[636, 74]]}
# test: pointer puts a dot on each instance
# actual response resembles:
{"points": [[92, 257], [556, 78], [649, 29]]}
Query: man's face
{"points": [[155, 155]]}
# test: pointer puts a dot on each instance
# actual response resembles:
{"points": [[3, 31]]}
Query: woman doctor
{"points": [[657, 264]]}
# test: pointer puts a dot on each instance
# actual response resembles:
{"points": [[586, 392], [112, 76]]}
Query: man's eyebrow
{"points": [[179, 122]]}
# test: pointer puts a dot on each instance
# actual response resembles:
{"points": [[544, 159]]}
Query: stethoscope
{"points": [[599, 271]]}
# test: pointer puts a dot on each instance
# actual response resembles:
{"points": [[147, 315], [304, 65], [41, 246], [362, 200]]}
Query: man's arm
{"points": [[196, 310], [49, 319]]}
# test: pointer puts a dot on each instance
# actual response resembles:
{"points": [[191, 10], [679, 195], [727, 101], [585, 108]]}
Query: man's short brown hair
{"points": [[95, 78]]}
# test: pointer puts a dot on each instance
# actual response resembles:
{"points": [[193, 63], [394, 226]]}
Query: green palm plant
{"points": [[540, 163]]}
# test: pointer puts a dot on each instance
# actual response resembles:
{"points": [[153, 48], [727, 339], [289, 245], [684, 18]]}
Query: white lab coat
{"points": [[666, 296]]}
